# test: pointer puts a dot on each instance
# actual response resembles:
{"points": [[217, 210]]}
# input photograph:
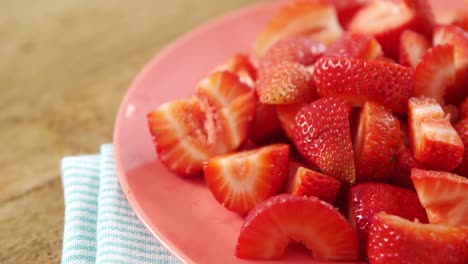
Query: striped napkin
{"points": [[100, 226]]}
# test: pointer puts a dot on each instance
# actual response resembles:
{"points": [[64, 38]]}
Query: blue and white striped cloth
{"points": [[100, 226]]}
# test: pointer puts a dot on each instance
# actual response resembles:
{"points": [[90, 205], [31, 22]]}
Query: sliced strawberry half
{"points": [[316, 19], [357, 81], [393, 239], [462, 130], [390, 19], [355, 46], [323, 137], [240, 65], [242, 180], [435, 72], [433, 139], [285, 83], [301, 49], [230, 107], [180, 137], [412, 47], [287, 116], [285, 218], [307, 182], [458, 38], [444, 195], [367, 199], [376, 143]]}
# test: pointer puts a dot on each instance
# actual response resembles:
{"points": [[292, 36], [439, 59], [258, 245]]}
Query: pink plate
{"points": [[182, 213]]}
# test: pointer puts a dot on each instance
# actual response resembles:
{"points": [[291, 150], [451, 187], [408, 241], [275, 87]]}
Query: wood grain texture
{"points": [[64, 68]]}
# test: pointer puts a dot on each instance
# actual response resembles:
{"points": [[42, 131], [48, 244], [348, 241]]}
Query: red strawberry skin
{"points": [[412, 47], [360, 80], [376, 143], [367, 199], [396, 240], [406, 161], [435, 73], [307, 182], [241, 180], [462, 130], [464, 109], [323, 137], [287, 116], [285, 218], [444, 195], [355, 46], [266, 124]]}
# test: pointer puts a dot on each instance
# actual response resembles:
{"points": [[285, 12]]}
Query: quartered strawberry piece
{"points": [[458, 38], [240, 65], [307, 182], [376, 143], [413, 45], [435, 72], [393, 239], [285, 218], [367, 199], [301, 49], [357, 81], [316, 19], [241, 180], [386, 20], [287, 116], [463, 109], [182, 141], [230, 107], [462, 130], [355, 46], [444, 195], [323, 137], [346, 9], [433, 139], [285, 83]]}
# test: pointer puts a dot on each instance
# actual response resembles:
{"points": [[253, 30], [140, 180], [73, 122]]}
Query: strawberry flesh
{"points": [[307, 182], [376, 143], [241, 66], [444, 195], [462, 130], [285, 218], [368, 199], [323, 137], [357, 81], [412, 47], [393, 239]]}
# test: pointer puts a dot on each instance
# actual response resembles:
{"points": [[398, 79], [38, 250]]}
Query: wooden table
{"points": [[64, 68]]}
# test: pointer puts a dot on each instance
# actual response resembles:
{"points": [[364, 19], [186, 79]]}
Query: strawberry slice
{"points": [[285, 218], [435, 72], [241, 66], [391, 18], [367, 199], [462, 130], [323, 137], [444, 196], [376, 143], [316, 19], [285, 83], [463, 109], [393, 239], [307, 182], [301, 49], [346, 9], [355, 46], [458, 38], [412, 47], [241, 180], [230, 107], [287, 116], [357, 81], [433, 139], [180, 137]]}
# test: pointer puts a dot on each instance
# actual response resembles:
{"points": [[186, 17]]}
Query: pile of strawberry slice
{"points": [[348, 134]]}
